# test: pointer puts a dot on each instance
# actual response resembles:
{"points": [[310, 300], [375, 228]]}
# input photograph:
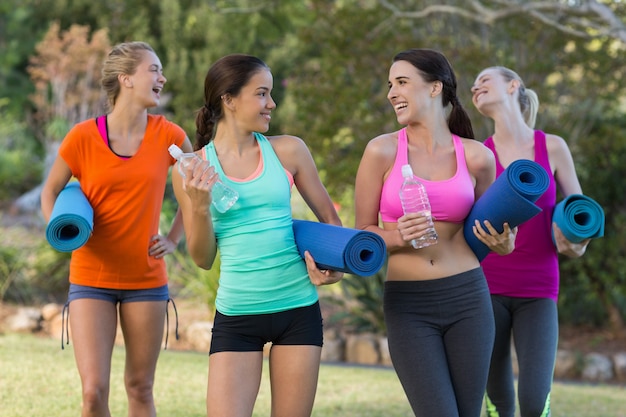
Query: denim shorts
{"points": [[249, 333], [118, 296], [77, 292]]}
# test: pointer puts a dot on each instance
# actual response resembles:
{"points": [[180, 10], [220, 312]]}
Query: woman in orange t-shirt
{"points": [[122, 169]]}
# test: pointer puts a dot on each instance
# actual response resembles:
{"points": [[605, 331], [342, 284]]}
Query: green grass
{"points": [[37, 378]]}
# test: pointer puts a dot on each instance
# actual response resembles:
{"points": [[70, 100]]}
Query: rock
{"points": [[198, 335], [619, 363], [363, 349], [567, 364], [385, 356], [334, 347], [50, 310], [26, 320], [597, 368]]}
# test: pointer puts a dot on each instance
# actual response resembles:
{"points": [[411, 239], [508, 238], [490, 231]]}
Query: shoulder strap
{"points": [[101, 121]]}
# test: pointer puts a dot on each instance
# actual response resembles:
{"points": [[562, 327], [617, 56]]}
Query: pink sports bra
{"points": [[451, 200]]}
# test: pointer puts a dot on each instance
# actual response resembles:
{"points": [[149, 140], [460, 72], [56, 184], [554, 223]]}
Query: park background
{"points": [[330, 61]]}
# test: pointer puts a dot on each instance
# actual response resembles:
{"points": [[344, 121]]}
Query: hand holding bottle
{"points": [[415, 200], [223, 197]]}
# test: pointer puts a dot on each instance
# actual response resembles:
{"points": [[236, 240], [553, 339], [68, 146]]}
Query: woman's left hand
{"points": [[320, 276], [161, 246], [501, 243], [567, 248]]}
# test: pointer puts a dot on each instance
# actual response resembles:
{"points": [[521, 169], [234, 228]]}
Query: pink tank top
{"points": [[451, 200], [532, 269]]}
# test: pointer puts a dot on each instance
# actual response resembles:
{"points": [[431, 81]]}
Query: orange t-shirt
{"points": [[126, 196]]}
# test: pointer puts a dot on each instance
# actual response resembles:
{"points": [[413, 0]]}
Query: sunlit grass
{"points": [[37, 378]]}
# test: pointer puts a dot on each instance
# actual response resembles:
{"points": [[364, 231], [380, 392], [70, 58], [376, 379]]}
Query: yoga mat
{"points": [[357, 252], [579, 217], [510, 199], [71, 221]]}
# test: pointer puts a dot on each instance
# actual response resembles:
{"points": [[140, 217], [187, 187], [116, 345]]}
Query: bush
{"points": [[361, 304]]}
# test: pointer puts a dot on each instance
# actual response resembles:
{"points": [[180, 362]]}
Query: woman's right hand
{"points": [[414, 226], [199, 179]]}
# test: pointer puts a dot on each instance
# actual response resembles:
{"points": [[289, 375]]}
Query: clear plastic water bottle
{"points": [[222, 195], [415, 200]]}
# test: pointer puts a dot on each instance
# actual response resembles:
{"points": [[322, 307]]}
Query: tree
{"points": [[577, 18], [66, 75]]}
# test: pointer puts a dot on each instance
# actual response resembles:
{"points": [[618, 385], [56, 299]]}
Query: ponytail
{"points": [[459, 122], [529, 97], [206, 121]]}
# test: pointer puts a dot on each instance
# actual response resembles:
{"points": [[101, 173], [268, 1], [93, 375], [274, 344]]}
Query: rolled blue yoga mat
{"points": [[510, 199], [357, 252], [579, 217], [71, 221]]}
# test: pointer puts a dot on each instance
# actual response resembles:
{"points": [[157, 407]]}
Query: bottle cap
{"points": [[407, 171], [175, 151]]}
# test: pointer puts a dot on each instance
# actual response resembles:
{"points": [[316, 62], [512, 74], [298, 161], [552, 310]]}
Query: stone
{"points": [[362, 349], [566, 365], [50, 310], [597, 368], [385, 356], [334, 347], [198, 335], [25, 320], [619, 363]]}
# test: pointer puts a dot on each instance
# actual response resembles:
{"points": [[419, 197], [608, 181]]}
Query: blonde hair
{"points": [[527, 98], [124, 58]]}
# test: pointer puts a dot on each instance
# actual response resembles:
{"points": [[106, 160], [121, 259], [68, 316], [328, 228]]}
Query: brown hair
{"points": [[227, 76], [433, 66]]}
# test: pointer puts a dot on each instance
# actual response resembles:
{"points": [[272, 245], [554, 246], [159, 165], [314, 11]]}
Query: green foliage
{"points": [[11, 264], [188, 280], [361, 304], [20, 160], [48, 274], [33, 274], [330, 61], [597, 280]]}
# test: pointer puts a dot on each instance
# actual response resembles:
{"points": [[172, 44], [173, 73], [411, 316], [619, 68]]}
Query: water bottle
{"points": [[415, 200], [223, 196]]}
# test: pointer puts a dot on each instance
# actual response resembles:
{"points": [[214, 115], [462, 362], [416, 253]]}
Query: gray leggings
{"points": [[440, 339], [534, 324]]}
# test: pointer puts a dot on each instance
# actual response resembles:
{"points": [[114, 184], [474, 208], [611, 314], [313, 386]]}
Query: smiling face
{"points": [[490, 88], [408, 92], [254, 104], [148, 80]]}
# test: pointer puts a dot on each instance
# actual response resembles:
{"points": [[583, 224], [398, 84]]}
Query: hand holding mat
{"points": [[579, 217], [510, 199], [71, 220], [357, 252]]}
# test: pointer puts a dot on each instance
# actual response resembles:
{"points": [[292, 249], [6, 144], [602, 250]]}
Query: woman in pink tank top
{"points": [[524, 284], [437, 309]]}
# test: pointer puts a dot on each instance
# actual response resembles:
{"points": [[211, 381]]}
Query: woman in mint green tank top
{"points": [[267, 293]]}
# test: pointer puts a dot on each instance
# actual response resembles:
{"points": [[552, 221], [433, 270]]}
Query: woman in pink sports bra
{"points": [[437, 308]]}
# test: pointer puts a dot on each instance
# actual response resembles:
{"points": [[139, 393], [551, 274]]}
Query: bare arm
{"points": [[163, 245], [567, 181], [57, 179], [376, 162], [294, 155], [194, 199]]}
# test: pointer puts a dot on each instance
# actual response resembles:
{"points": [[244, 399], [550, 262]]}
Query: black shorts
{"points": [[249, 333]]}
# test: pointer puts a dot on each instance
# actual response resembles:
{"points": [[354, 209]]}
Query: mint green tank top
{"points": [[261, 268]]}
